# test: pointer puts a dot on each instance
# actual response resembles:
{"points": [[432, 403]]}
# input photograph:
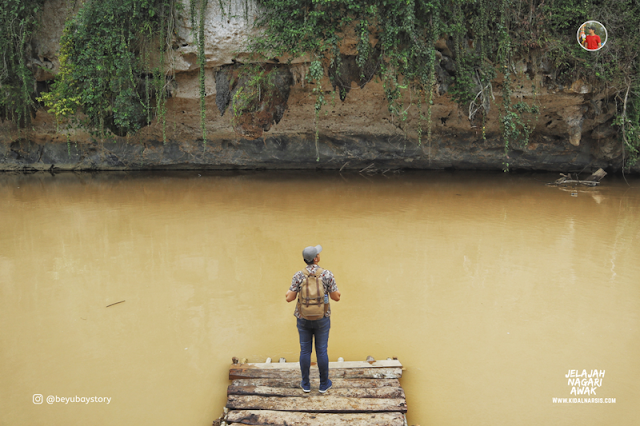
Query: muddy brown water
{"points": [[488, 287]]}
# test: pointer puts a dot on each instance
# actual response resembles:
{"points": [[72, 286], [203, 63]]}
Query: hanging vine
{"points": [[113, 71], [105, 68], [18, 22], [197, 9], [316, 72], [484, 38], [405, 35]]}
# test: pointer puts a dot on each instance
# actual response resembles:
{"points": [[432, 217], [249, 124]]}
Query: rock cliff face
{"points": [[572, 132]]}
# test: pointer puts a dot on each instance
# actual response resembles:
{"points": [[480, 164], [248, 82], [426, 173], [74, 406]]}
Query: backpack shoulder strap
{"points": [[319, 273]]}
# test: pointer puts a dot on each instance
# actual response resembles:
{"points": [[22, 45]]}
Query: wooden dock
{"points": [[363, 393]]}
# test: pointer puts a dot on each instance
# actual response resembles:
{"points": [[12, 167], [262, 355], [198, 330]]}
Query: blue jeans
{"points": [[320, 329]]}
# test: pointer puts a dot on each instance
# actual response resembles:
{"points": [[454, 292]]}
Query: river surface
{"points": [[489, 288]]}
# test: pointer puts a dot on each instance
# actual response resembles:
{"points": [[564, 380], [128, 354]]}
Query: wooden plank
{"points": [[343, 364], [337, 383], [283, 418], [317, 404], [365, 373], [242, 372], [382, 392]]}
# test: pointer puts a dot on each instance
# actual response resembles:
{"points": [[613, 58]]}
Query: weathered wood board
{"points": [[363, 393], [381, 392], [284, 418], [244, 372], [332, 365], [337, 383], [316, 404]]}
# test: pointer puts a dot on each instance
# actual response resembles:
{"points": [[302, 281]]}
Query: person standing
{"points": [[313, 286], [593, 40]]}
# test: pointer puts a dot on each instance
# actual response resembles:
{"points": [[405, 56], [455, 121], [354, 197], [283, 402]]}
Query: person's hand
{"points": [[290, 296]]}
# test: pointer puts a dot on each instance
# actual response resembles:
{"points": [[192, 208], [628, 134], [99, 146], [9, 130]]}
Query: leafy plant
{"points": [[18, 22], [112, 58], [105, 70], [485, 38], [197, 10], [406, 34]]}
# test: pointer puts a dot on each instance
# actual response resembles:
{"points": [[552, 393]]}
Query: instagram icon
{"points": [[37, 398]]}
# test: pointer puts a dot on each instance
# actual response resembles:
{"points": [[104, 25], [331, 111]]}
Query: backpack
{"points": [[311, 296]]}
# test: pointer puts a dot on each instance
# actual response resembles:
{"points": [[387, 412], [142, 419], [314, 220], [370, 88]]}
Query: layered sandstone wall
{"points": [[572, 132]]}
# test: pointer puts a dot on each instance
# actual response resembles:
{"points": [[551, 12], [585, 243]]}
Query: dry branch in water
{"points": [[592, 180]]}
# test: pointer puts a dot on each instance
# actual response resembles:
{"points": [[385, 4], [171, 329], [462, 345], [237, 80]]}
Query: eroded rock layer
{"points": [[573, 130]]}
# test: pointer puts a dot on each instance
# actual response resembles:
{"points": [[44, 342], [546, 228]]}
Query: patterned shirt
{"points": [[328, 282]]}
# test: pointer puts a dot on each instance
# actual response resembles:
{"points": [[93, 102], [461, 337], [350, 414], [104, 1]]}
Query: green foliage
{"points": [[255, 84], [406, 34], [112, 57], [316, 72], [105, 70], [197, 9], [614, 66], [565, 16], [406, 31], [18, 22], [629, 122], [484, 36]]}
